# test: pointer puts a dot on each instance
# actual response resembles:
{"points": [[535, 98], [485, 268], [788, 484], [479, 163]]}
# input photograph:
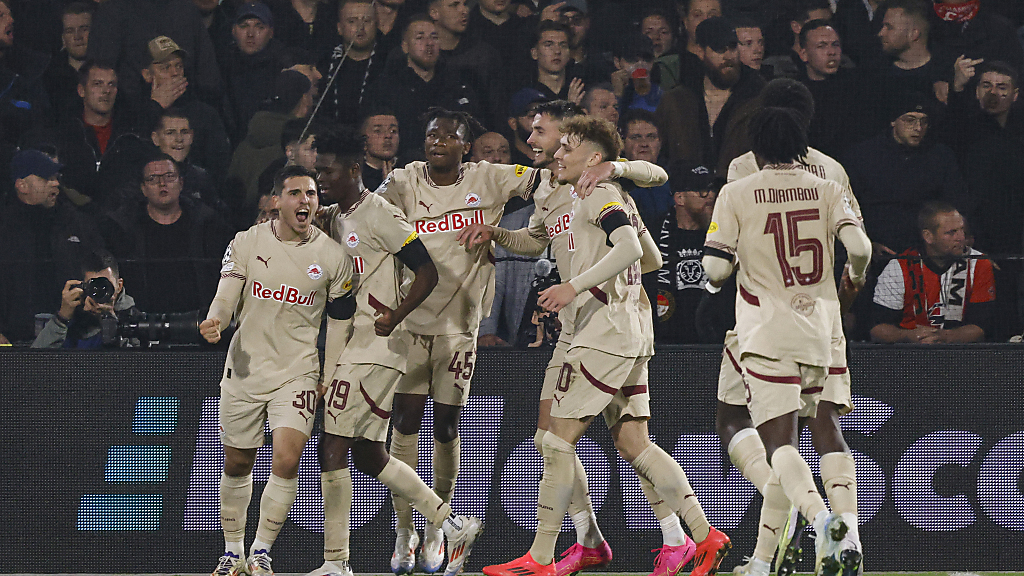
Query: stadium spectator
{"points": [[693, 12], [61, 79], [858, 24], [660, 28], [586, 52], [680, 232], [299, 144], [475, 63], [899, 170], [249, 66], [497, 23], [415, 81], [392, 18], [310, 25], [77, 324], [751, 47], [493, 148], [173, 135], [168, 85], [600, 101], [904, 38], [933, 294], [785, 60], [522, 108], [974, 30], [837, 118], [86, 135], [642, 141], [24, 105], [380, 129], [262, 144], [987, 130], [174, 242], [555, 75], [122, 30], [42, 240], [634, 81], [709, 127], [360, 60]]}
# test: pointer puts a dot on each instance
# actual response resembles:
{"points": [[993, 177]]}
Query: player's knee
{"points": [[286, 465], [332, 452], [445, 432], [629, 447], [369, 457], [238, 462]]}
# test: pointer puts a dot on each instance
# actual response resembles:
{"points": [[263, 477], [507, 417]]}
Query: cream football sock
{"points": [[671, 483], [795, 476], [405, 483], [278, 496], [748, 455], [404, 449], [774, 513], [671, 528], [556, 487], [446, 467], [235, 494], [581, 510], [336, 487], [839, 475]]}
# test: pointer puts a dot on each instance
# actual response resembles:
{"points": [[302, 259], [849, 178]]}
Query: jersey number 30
{"points": [[788, 244]]}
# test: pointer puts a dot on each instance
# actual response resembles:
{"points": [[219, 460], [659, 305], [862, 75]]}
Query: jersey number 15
{"points": [[788, 244]]}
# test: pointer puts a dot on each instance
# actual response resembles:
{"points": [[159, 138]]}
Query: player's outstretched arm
{"points": [[626, 250], [643, 174], [525, 241], [415, 257]]}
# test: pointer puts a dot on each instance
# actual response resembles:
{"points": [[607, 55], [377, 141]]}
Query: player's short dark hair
{"points": [[792, 94], [639, 115], [1000, 67], [777, 135], [919, 10], [292, 171], [88, 66], [929, 213], [293, 132], [811, 27], [744, 20], [560, 109], [550, 26], [800, 10], [78, 8], [597, 131], [98, 260], [462, 120], [344, 143], [588, 96]]}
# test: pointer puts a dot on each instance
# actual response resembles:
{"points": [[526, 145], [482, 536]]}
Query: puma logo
{"points": [[774, 530], [425, 205], [461, 389], [557, 399], [265, 262], [838, 485]]}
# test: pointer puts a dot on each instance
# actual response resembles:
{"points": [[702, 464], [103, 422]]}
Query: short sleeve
{"points": [[390, 229], [234, 264], [984, 284], [724, 230], [890, 290]]}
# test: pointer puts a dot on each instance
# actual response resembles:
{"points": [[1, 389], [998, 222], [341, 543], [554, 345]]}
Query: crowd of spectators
{"points": [[143, 133]]}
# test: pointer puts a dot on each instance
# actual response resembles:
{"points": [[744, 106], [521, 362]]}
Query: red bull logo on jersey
{"points": [[285, 293], [561, 225], [449, 222]]}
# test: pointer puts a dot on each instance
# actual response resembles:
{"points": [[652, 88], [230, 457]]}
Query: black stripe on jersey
{"points": [[413, 255], [712, 251], [342, 308], [613, 220]]}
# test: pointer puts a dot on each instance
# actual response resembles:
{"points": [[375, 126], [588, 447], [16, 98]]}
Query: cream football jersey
{"points": [[465, 284], [609, 317], [285, 288], [371, 231], [780, 224]]}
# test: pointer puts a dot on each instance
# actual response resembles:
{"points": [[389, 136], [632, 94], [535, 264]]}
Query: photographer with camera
{"points": [[86, 305]]}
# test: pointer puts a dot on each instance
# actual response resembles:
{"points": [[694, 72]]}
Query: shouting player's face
{"points": [[297, 204], [573, 157], [544, 140], [445, 145]]}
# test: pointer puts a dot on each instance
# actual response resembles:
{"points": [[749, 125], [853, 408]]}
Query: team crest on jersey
{"points": [[472, 199], [520, 170], [803, 304], [315, 271], [352, 239]]}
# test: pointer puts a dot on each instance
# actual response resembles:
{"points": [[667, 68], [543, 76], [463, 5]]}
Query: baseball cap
{"points": [[910, 102], [520, 102], [289, 88], [577, 5], [634, 46], [686, 177], [162, 48], [33, 163], [717, 33], [257, 10]]}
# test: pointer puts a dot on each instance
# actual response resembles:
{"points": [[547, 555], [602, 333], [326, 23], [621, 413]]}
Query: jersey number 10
{"points": [[795, 246]]}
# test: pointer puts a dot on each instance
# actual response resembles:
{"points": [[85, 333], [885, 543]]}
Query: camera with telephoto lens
{"points": [[135, 329], [99, 289]]}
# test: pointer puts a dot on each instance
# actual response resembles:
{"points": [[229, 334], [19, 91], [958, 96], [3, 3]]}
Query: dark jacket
{"points": [[351, 84], [839, 119], [207, 238], [121, 31], [86, 168], [988, 35], [262, 145], [316, 38], [210, 146], [682, 117], [24, 105], [893, 181], [248, 81], [40, 248]]}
